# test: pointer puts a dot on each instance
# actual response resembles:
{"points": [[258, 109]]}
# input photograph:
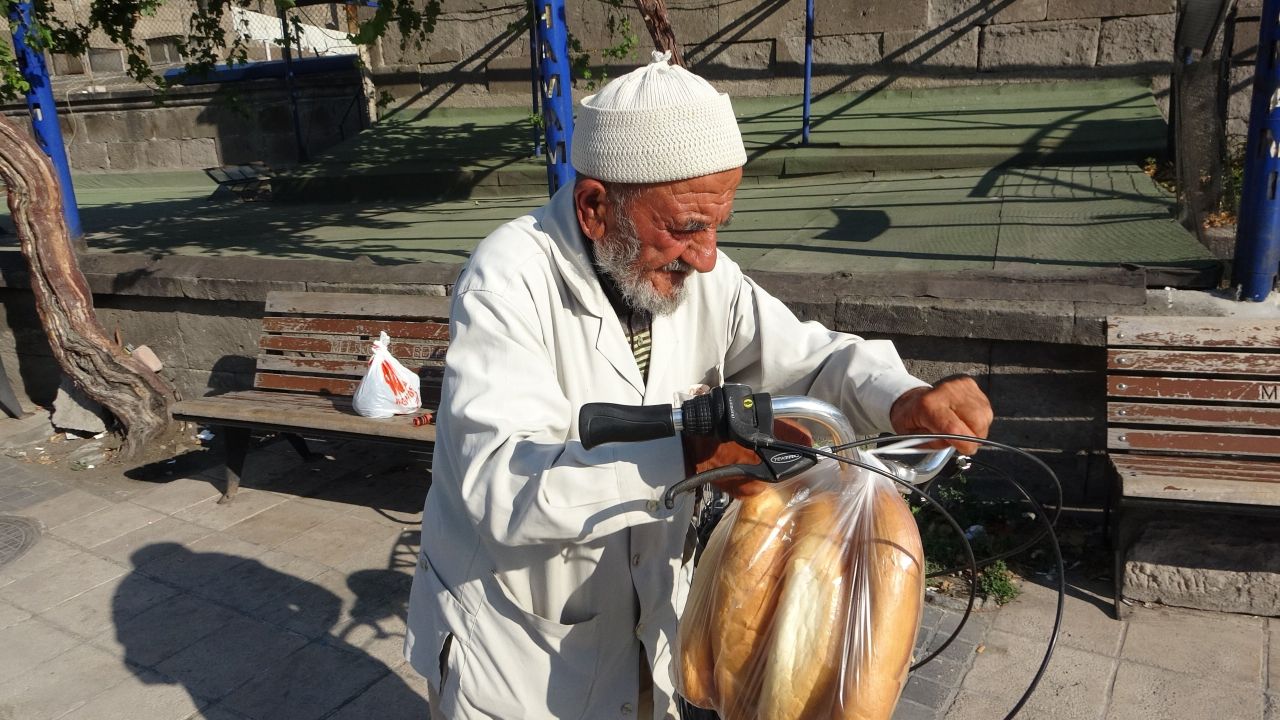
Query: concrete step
{"points": [[28, 430]]}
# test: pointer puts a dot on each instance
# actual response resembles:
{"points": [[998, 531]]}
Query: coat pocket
{"points": [[437, 622], [524, 665]]}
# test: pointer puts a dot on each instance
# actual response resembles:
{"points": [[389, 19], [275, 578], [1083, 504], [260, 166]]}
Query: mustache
{"points": [[678, 266]]}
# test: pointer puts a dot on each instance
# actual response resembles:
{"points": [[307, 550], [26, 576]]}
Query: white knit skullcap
{"points": [[656, 124]]}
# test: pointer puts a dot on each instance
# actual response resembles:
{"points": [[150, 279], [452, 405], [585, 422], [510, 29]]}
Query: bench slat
{"points": [[363, 328], [333, 386], [358, 305], [1222, 468], [326, 366], [1209, 416], [1193, 361], [1192, 442], [254, 409], [1250, 391], [1220, 332], [403, 351], [1146, 480]]}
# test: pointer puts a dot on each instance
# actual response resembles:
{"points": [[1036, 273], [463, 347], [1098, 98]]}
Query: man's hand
{"points": [[955, 406], [702, 453]]}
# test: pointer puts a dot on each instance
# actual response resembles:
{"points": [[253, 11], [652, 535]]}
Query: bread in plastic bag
{"points": [[388, 388], [806, 602]]}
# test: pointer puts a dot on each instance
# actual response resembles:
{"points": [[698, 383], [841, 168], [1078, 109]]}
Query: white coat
{"points": [[545, 567]]}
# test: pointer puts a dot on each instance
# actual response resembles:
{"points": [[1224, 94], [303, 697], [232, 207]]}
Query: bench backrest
{"points": [[319, 343], [1207, 386]]}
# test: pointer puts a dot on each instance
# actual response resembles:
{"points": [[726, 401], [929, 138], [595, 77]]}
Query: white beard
{"points": [[618, 255]]}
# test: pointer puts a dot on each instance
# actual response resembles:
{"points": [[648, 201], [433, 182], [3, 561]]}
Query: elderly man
{"points": [[551, 577]]}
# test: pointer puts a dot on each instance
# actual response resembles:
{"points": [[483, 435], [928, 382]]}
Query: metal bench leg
{"points": [[237, 448], [299, 443]]}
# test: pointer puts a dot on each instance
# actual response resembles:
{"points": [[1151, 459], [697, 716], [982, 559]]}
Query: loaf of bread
{"points": [[807, 636], [746, 594], [697, 669], [897, 592]]}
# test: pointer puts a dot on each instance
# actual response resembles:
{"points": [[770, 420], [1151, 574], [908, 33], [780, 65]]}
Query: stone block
{"points": [[1071, 9], [144, 321], [239, 651], [104, 127], [64, 684], [833, 52], [164, 154], [106, 524], [930, 360], [165, 629], [841, 17], [289, 688], [57, 583], [224, 343], [66, 507], [1047, 44], [1244, 44], [1051, 322], [281, 523], [30, 643], [126, 155], [508, 75], [177, 123], [959, 14], [1137, 41], [739, 20], [749, 57], [88, 156], [145, 694], [1228, 565], [200, 153], [74, 410], [103, 607], [234, 149], [936, 49]]}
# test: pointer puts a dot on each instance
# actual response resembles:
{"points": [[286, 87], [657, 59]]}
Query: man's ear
{"points": [[591, 202]]}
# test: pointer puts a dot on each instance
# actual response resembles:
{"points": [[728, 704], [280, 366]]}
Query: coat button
{"points": [[635, 560], [626, 708], [422, 562], [640, 630], [652, 505]]}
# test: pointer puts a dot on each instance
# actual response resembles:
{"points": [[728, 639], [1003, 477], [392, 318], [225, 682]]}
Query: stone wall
{"points": [[122, 128], [756, 47]]}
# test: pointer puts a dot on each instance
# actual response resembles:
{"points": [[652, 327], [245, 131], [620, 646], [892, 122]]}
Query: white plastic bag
{"points": [[388, 388]]}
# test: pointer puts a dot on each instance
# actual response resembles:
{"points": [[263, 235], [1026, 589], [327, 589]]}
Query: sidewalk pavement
{"points": [[146, 600]]}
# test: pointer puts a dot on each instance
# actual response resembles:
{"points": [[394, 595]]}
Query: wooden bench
{"points": [[1193, 420], [313, 351]]}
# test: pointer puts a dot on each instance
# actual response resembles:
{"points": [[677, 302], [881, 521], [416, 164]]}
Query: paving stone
{"points": [[239, 650], [395, 550], [61, 685], [248, 502], [107, 524], [907, 710], [92, 612], [165, 532], [970, 705], [1227, 647], [30, 643], [1272, 711], [927, 693], [66, 507], [1152, 693], [943, 670], [290, 689], [44, 589], [10, 615], [47, 553], [381, 639], [335, 542], [146, 695], [259, 581], [1074, 686], [316, 607], [394, 696], [164, 630], [177, 495], [283, 522], [1086, 621], [193, 565]]}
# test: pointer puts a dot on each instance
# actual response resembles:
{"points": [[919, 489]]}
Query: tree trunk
{"points": [[656, 19], [139, 398]]}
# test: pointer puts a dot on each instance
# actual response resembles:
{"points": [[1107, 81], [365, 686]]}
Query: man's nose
{"points": [[701, 253]]}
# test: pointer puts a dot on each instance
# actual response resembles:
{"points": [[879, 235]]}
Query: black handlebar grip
{"points": [[606, 422]]}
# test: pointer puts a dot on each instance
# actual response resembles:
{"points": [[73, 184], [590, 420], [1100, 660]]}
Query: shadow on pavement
{"points": [[260, 642]]}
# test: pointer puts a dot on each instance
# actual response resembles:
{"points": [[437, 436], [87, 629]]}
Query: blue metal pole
{"points": [[1257, 259], [555, 87], [535, 80], [44, 111], [808, 68]]}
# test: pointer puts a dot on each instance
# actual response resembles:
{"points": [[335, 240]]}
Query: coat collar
{"points": [[569, 254]]}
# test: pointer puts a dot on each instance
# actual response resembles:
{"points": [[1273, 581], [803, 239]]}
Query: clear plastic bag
{"points": [[806, 602], [388, 388]]}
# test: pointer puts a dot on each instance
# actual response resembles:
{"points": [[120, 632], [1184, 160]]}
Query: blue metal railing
{"points": [[555, 90], [1257, 257], [44, 111]]}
